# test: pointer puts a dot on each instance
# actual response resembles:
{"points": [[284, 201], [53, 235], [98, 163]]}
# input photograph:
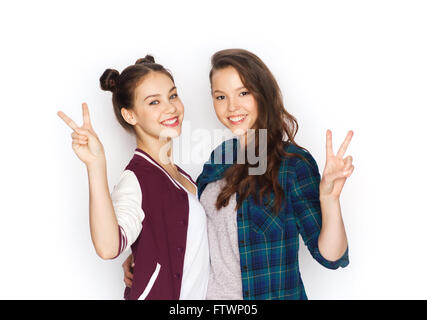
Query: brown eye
{"points": [[220, 98]]}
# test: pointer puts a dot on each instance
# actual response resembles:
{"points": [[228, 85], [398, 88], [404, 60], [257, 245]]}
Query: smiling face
{"points": [[234, 104], [158, 111]]}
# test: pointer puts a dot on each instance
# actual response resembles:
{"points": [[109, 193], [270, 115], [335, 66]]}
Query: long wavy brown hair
{"points": [[281, 130]]}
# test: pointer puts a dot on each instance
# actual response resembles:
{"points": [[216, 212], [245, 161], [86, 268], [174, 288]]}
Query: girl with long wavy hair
{"points": [[254, 220]]}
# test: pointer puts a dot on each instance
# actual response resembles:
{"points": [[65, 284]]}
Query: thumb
{"points": [[85, 132], [331, 177]]}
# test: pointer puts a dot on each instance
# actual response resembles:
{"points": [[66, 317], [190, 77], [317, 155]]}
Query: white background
{"points": [[342, 65]]}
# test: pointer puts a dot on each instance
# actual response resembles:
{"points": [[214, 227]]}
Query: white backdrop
{"points": [[342, 65]]}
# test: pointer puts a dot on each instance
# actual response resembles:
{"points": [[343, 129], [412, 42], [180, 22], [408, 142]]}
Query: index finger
{"points": [[86, 117], [345, 144], [329, 150], [67, 120]]}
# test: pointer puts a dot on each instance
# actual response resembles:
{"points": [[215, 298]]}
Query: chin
{"points": [[175, 134], [169, 133], [239, 131]]}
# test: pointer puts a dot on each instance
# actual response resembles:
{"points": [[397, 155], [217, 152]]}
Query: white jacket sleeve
{"points": [[127, 203]]}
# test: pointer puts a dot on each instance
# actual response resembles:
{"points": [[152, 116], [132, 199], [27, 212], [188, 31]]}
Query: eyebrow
{"points": [[158, 94], [234, 90]]}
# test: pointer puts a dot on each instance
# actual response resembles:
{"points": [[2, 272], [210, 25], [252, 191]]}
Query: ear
{"points": [[129, 116]]}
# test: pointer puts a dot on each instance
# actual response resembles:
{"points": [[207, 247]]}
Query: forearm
{"points": [[332, 240], [103, 222]]}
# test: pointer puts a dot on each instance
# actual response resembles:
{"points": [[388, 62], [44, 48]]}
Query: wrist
{"points": [[96, 165], [328, 198]]}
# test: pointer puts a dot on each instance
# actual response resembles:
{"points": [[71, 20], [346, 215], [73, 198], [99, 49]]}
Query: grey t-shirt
{"points": [[225, 278]]}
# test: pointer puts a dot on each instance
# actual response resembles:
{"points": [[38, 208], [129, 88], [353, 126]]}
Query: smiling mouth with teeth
{"points": [[170, 122], [237, 119]]}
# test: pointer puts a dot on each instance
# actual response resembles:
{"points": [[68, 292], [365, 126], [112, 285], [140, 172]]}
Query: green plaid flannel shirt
{"points": [[269, 243]]}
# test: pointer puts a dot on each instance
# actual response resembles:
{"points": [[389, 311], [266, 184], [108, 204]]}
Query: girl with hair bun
{"points": [[254, 220], [153, 209]]}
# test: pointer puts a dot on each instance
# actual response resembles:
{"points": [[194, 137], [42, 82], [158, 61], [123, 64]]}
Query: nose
{"points": [[171, 108], [232, 105]]}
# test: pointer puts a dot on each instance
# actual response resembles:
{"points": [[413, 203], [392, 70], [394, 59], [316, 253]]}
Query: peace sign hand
{"points": [[337, 169], [86, 144]]}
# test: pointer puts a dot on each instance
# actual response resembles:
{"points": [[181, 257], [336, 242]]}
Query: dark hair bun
{"points": [[147, 59], [109, 79]]}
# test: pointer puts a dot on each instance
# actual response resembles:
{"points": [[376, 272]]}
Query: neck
{"points": [[160, 150], [244, 139]]}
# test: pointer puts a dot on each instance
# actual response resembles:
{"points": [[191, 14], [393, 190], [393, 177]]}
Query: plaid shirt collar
{"points": [[223, 157]]}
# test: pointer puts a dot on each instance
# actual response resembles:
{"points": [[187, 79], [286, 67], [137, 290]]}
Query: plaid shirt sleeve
{"points": [[306, 204]]}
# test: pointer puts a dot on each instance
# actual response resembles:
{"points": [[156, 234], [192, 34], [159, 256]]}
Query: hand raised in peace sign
{"points": [[337, 169], [86, 143]]}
